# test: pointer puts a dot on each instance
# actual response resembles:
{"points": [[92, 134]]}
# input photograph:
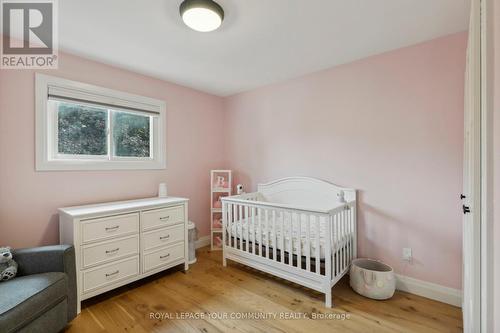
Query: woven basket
{"points": [[372, 279]]}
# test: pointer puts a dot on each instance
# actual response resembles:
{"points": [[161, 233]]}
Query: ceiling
{"points": [[260, 41]]}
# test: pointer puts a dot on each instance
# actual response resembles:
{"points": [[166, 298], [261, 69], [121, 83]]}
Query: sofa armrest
{"points": [[54, 258], [44, 259]]}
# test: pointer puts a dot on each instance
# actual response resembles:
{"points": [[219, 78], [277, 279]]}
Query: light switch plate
{"points": [[407, 254]]}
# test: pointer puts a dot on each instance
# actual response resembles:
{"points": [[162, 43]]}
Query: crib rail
{"points": [[314, 244]]}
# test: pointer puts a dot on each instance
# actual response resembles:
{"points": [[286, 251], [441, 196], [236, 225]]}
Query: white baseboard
{"points": [[202, 241], [429, 290]]}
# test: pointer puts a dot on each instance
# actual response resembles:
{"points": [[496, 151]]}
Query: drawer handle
{"points": [[165, 256], [112, 228], [111, 274], [165, 217], [111, 251], [164, 237]]}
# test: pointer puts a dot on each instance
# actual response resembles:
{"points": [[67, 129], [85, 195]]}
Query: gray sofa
{"points": [[42, 297]]}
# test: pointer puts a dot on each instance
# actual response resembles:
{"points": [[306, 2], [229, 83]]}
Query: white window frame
{"points": [[47, 156]]}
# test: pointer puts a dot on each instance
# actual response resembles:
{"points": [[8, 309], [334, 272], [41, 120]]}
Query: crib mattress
{"points": [[289, 227]]}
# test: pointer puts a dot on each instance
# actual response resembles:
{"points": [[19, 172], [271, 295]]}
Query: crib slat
{"points": [[336, 247], [230, 226], [290, 242], [331, 220], [353, 230], [275, 237], [253, 230], [351, 217], [299, 241], [236, 226], [328, 247], [346, 214], [268, 234], [308, 243], [241, 220], [282, 236], [234, 231], [349, 233], [259, 222], [318, 233], [343, 241], [339, 244], [346, 238], [247, 245]]}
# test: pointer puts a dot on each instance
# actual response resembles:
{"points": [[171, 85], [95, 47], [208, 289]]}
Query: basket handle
{"points": [[369, 280]]}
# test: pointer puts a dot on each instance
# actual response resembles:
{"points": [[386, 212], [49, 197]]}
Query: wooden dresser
{"points": [[120, 242]]}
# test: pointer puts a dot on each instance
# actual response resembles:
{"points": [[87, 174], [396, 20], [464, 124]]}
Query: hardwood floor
{"points": [[170, 302]]}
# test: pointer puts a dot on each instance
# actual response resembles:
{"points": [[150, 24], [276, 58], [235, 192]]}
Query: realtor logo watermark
{"points": [[29, 31]]}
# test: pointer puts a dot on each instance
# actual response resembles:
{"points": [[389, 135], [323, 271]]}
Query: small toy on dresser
{"points": [[8, 267]]}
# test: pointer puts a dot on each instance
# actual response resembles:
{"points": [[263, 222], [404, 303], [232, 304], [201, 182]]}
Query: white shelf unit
{"points": [[218, 189]]}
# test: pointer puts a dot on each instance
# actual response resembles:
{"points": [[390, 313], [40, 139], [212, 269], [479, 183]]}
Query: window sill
{"points": [[82, 165]]}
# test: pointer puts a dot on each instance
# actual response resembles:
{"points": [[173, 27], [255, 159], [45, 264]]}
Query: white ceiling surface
{"points": [[260, 41]]}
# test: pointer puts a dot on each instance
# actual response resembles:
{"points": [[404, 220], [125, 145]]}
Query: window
{"points": [[82, 127]]}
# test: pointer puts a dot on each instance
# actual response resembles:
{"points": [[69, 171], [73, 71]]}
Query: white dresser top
{"points": [[119, 206]]}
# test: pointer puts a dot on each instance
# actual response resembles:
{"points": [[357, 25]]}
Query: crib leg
{"points": [[328, 298], [224, 261]]}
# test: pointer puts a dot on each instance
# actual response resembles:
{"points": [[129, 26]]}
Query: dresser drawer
{"points": [[109, 227], [109, 274], [164, 256], [162, 217], [161, 237], [101, 253]]}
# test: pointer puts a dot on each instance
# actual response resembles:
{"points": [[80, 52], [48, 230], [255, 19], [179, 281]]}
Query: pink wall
{"points": [[29, 199], [389, 125]]}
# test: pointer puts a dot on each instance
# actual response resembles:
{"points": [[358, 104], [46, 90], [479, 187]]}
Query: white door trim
{"points": [[487, 76], [472, 175], [478, 286]]}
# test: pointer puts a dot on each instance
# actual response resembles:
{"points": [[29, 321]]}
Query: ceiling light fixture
{"points": [[201, 15]]}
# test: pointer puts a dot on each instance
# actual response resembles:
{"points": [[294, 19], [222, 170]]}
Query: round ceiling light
{"points": [[201, 15]]}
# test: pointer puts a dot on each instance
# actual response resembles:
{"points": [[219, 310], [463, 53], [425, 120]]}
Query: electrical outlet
{"points": [[407, 254]]}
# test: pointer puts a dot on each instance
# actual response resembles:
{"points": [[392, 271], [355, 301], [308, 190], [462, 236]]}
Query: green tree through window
{"points": [[82, 130], [131, 134]]}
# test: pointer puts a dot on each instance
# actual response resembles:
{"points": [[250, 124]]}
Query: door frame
{"points": [[486, 239], [478, 313], [471, 198]]}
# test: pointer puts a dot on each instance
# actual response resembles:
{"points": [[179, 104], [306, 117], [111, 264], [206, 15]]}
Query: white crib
{"points": [[300, 229]]}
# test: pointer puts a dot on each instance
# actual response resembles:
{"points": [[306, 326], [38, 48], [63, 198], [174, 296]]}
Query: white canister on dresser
{"points": [[162, 190]]}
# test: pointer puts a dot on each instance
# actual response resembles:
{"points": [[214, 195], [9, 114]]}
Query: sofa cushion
{"points": [[27, 297], [54, 320]]}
